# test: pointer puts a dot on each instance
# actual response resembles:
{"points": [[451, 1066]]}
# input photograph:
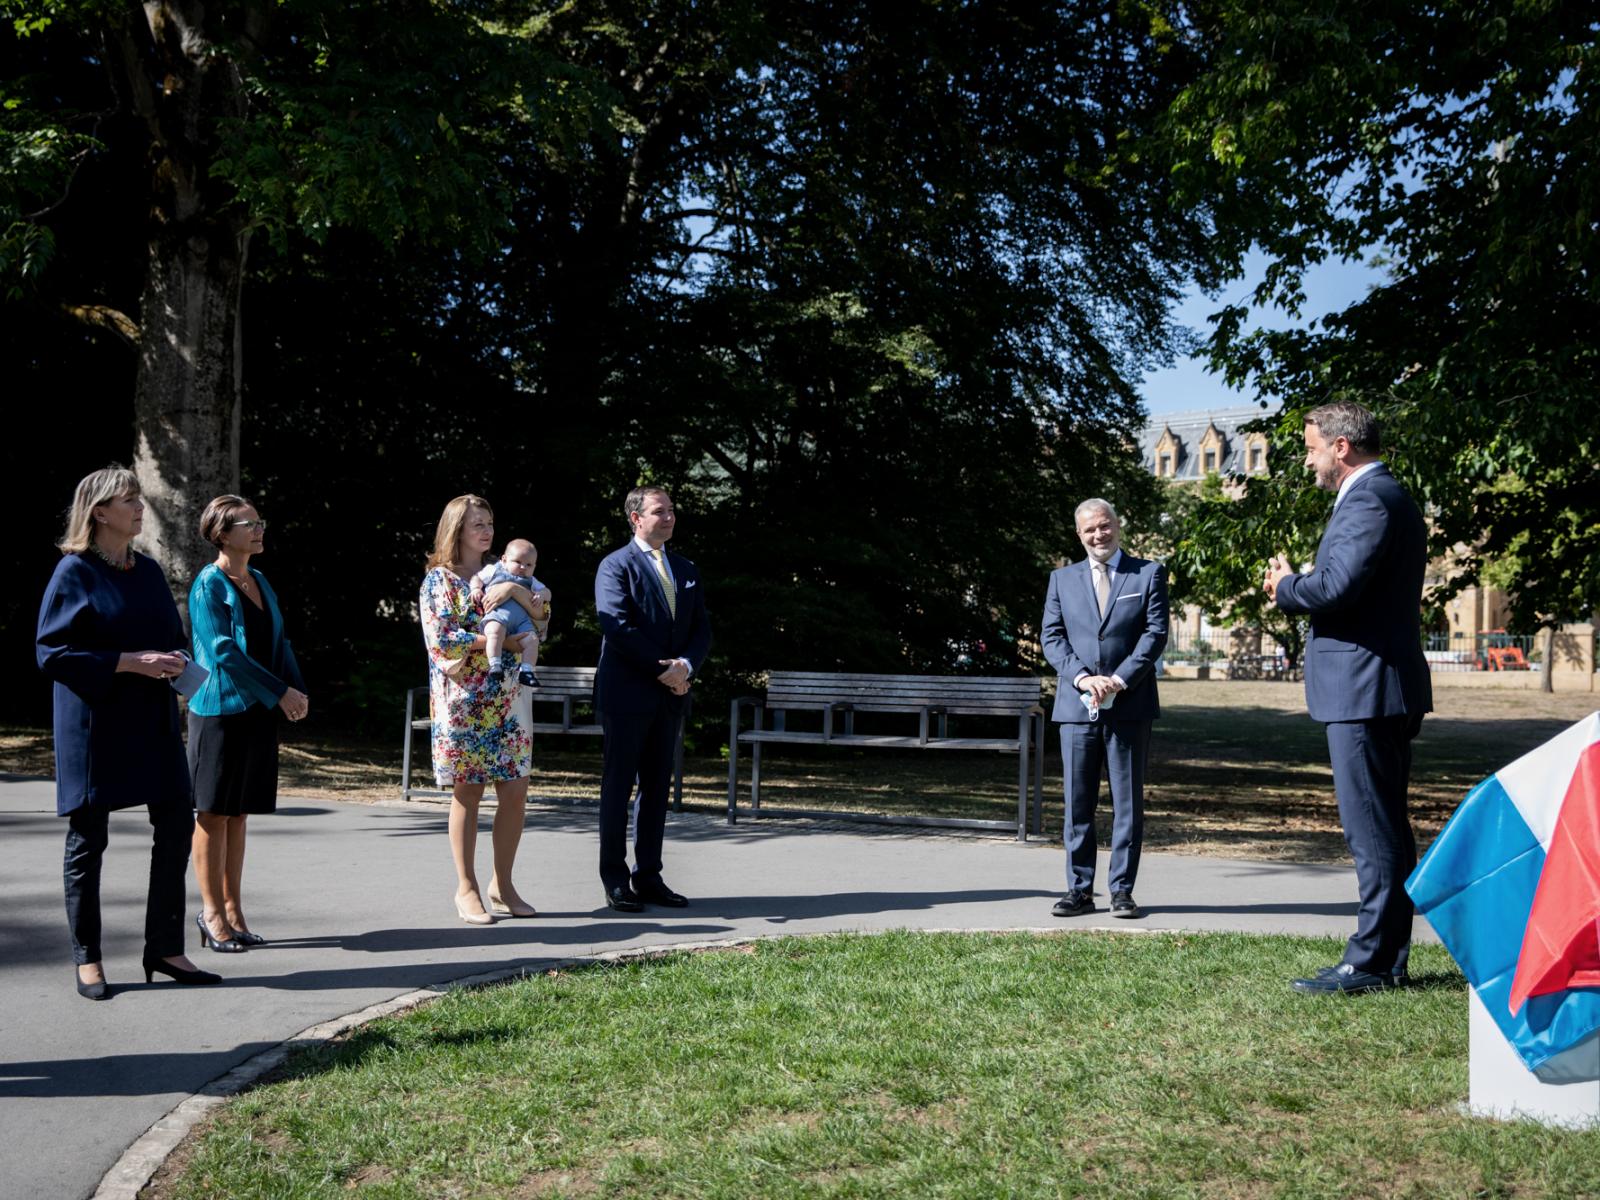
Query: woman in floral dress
{"points": [[480, 732]]}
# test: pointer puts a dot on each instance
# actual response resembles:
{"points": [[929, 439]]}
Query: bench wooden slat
{"points": [[912, 705], [918, 696], [811, 691], [882, 740]]}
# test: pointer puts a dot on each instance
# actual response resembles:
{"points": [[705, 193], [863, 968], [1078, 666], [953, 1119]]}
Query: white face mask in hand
{"points": [[1094, 709]]}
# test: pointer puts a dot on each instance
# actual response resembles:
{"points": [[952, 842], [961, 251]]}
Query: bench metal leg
{"points": [[733, 765], [677, 762], [755, 780], [1024, 729], [1038, 775], [405, 756]]}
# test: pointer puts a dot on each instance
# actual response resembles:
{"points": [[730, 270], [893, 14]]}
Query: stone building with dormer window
{"points": [[1188, 446]]}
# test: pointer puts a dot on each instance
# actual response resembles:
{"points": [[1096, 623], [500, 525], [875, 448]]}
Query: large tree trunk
{"points": [[175, 62], [186, 398]]}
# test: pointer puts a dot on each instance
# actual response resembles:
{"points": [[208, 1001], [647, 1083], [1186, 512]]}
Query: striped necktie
{"points": [[666, 581]]}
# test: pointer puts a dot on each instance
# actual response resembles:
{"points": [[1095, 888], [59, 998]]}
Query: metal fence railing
{"points": [[1245, 654], [1486, 652]]}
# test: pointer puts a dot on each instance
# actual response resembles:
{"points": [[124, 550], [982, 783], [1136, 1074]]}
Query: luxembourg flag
{"points": [[1512, 886]]}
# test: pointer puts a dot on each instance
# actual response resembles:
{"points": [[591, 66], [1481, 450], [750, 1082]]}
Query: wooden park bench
{"points": [[931, 699], [567, 686]]}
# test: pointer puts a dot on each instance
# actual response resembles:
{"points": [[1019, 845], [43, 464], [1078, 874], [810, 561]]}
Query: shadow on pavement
{"points": [[122, 1074]]}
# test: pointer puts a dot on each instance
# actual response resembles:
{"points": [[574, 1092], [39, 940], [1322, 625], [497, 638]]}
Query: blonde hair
{"points": [[217, 517], [115, 482], [447, 538]]}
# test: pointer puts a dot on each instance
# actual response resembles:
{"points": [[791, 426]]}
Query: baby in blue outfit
{"points": [[514, 602]]}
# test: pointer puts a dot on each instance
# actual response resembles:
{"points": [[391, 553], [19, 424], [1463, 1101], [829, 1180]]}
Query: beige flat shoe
{"points": [[472, 918]]}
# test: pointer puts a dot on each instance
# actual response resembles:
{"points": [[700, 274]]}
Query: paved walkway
{"points": [[357, 902]]}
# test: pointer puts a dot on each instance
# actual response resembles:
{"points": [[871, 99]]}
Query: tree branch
{"points": [[105, 318]]}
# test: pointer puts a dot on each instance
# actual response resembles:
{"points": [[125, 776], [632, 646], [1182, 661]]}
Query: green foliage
{"points": [[1455, 141], [38, 155], [381, 120], [872, 295]]}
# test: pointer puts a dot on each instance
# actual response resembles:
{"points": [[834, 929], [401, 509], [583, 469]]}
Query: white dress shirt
{"points": [[1363, 469]]}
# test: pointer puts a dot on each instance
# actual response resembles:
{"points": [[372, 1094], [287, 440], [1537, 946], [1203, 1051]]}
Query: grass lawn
{"points": [[1237, 769], [898, 1065]]}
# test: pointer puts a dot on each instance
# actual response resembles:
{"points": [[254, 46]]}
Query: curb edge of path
{"points": [[138, 1164]]}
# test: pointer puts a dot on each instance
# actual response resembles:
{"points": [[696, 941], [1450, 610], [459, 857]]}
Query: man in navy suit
{"points": [[656, 635], [1105, 624], [1366, 677]]}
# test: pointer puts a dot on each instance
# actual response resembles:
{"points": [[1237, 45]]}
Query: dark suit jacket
{"points": [[116, 734], [1364, 596], [1126, 642], [639, 630]]}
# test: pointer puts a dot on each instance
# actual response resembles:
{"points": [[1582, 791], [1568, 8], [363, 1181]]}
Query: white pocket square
{"points": [[1129, 596], [690, 584]]}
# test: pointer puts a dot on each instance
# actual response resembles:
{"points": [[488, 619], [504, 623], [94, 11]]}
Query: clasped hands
{"points": [[1278, 569], [676, 676], [1099, 687], [154, 664]]}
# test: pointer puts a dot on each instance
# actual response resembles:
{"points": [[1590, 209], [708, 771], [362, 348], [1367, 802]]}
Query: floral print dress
{"points": [[479, 730]]}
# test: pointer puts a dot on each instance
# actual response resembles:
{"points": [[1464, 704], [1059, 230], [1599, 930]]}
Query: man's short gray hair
{"points": [[1093, 504], [1348, 420]]}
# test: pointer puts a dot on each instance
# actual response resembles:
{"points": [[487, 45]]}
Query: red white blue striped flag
{"points": [[1512, 886]]}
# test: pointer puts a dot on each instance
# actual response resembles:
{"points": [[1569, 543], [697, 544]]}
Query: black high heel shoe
{"points": [[158, 966], [248, 938], [208, 940], [99, 990]]}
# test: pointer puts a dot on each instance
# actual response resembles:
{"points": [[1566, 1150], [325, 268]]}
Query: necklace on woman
{"points": [[117, 564]]}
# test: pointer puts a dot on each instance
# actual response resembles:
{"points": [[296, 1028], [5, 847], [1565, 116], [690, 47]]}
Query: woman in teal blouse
{"points": [[233, 718]]}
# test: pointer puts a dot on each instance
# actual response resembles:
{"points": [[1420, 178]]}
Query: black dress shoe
{"points": [[1345, 980], [621, 899], [159, 966], [1074, 904], [660, 893], [1122, 905]]}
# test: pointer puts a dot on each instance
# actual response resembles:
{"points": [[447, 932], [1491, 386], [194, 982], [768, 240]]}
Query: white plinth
{"points": [[1564, 1091]]}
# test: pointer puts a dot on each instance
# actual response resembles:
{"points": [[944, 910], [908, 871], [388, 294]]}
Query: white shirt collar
{"points": [[644, 545], [1363, 469], [1111, 563]]}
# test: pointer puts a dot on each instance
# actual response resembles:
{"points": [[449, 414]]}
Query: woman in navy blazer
{"points": [[233, 718], [110, 639]]}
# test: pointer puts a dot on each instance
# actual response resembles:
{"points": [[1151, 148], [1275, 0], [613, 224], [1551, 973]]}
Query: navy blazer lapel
{"points": [[1119, 582]]}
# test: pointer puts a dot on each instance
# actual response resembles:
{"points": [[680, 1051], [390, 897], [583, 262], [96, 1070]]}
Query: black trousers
{"points": [[1371, 776], [638, 748], [87, 829]]}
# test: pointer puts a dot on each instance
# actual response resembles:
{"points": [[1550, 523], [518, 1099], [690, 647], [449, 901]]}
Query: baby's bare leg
{"points": [[494, 633]]}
